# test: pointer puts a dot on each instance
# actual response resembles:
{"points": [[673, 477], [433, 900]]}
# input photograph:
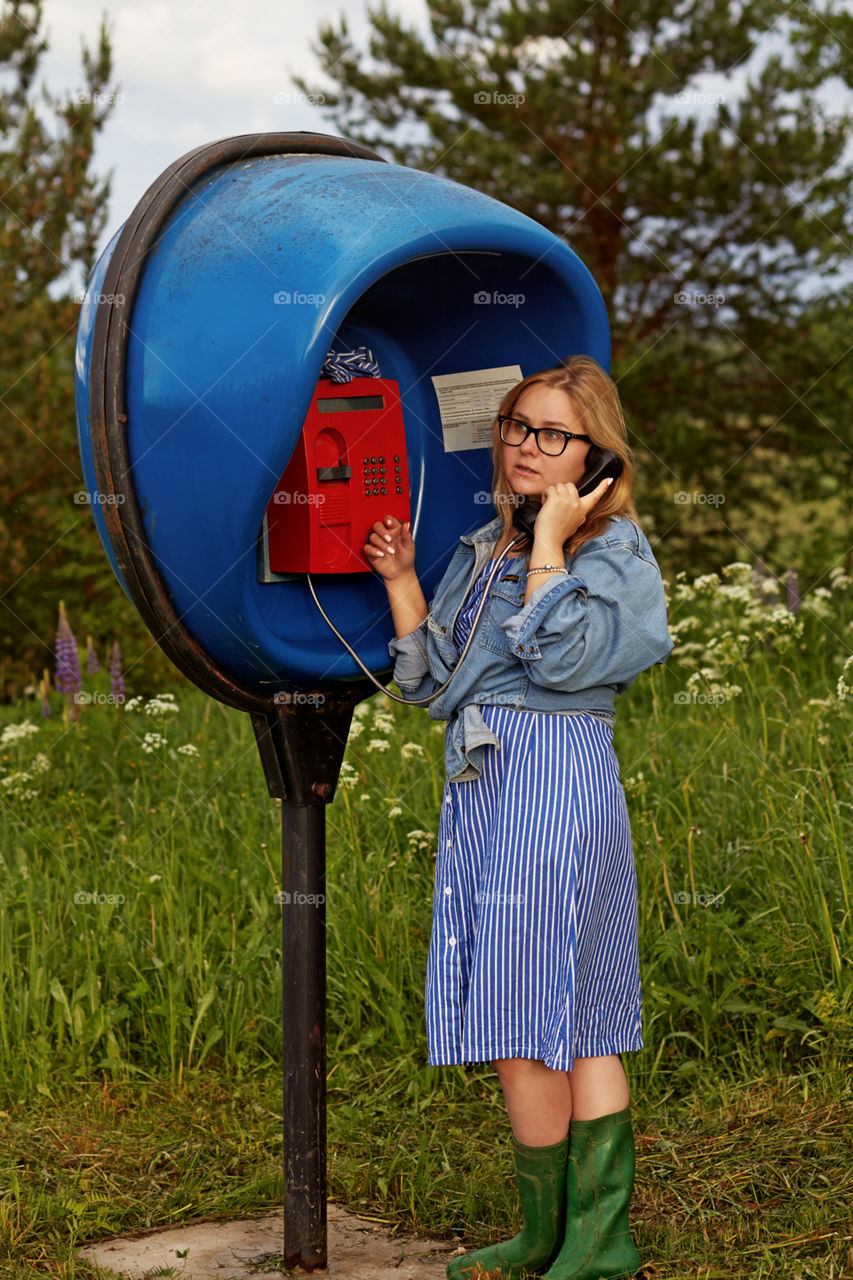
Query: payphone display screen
{"points": [[347, 404]]}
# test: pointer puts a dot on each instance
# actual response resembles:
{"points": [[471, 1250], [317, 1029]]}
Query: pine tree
{"points": [[708, 233], [52, 213]]}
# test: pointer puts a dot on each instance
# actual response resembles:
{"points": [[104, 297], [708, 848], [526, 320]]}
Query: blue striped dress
{"points": [[534, 950]]}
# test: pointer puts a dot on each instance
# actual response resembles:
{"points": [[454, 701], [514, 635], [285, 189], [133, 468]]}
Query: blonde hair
{"points": [[596, 401]]}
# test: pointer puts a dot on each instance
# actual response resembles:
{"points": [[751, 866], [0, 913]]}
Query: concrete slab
{"points": [[358, 1248]]}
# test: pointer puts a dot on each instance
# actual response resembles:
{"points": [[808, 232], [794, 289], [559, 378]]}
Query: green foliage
{"points": [[139, 933], [140, 980], [53, 213], [140, 961], [715, 225]]}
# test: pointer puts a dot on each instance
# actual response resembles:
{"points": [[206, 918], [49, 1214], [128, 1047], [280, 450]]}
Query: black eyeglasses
{"points": [[548, 439]]}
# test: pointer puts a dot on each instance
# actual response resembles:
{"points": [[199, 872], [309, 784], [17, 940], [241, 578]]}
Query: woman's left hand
{"points": [[563, 511]]}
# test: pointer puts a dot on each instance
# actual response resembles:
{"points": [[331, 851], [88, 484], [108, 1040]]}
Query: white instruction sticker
{"points": [[468, 403]]}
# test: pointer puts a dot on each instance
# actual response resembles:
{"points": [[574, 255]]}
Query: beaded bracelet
{"points": [[548, 568]]}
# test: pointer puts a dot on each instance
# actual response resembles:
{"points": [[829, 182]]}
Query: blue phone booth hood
{"points": [[260, 267]]}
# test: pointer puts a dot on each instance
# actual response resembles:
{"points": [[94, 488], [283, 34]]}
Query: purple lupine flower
{"points": [[67, 658], [116, 681], [793, 592], [92, 664]]}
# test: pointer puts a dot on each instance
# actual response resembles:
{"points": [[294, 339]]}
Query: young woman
{"points": [[533, 960]]}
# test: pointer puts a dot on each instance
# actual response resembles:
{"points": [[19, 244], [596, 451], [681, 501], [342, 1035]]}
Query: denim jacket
{"points": [[580, 639]]}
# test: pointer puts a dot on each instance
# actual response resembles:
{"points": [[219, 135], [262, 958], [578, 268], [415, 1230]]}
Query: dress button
{"points": [[451, 942], [448, 891]]}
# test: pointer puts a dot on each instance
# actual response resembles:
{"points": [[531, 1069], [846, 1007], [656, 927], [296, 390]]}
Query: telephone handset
{"points": [[601, 463]]}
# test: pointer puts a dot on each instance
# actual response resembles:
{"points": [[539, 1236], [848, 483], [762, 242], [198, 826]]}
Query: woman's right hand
{"points": [[390, 549]]}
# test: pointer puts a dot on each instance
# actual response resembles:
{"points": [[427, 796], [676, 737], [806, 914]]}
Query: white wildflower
{"points": [[160, 707], [683, 624], [133, 704], [15, 785], [40, 764], [636, 783], [842, 688], [782, 619], [153, 741], [421, 840], [727, 648], [411, 749], [17, 732], [378, 744], [151, 879], [737, 569], [704, 673], [735, 591], [188, 749], [395, 812], [689, 646]]}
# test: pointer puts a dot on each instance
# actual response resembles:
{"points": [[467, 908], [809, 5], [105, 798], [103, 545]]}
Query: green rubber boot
{"points": [[541, 1181], [599, 1182]]}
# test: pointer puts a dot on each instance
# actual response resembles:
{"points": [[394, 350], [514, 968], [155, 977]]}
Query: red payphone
{"points": [[348, 470]]}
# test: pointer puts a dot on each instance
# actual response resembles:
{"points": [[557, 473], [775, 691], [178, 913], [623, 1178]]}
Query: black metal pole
{"points": [[302, 742], [303, 1019]]}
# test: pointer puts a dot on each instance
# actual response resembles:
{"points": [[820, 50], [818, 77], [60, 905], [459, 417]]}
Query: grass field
{"points": [[140, 968]]}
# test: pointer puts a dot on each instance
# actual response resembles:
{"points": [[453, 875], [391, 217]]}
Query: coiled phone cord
{"points": [[419, 702]]}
